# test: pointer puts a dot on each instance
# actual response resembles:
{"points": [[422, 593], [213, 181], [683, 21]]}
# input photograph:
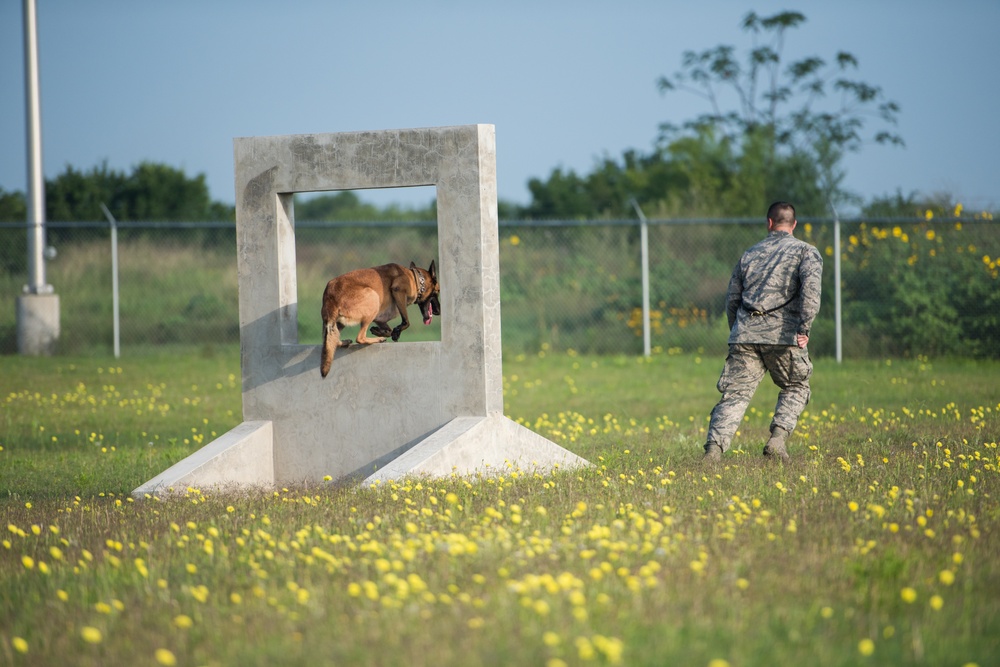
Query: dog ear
{"points": [[412, 265], [432, 270]]}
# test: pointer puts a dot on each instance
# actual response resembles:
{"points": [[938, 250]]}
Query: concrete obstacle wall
{"points": [[385, 410]]}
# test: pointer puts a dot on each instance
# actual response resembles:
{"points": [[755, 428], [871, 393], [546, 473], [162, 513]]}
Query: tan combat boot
{"points": [[713, 453], [775, 447]]}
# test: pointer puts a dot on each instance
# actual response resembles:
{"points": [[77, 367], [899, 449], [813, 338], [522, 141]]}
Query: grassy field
{"points": [[875, 545]]}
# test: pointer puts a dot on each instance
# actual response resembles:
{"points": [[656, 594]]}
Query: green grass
{"points": [[82, 426], [875, 545]]}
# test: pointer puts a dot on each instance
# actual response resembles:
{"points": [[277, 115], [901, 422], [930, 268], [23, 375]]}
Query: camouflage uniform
{"points": [[774, 295]]}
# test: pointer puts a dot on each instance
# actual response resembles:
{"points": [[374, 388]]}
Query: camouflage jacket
{"points": [[774, 291]]}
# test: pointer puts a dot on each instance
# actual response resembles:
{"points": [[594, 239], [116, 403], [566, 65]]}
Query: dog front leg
{"points": [[400, 301]]}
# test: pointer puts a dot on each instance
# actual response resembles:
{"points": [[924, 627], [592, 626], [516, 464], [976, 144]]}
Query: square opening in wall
{"points": [[344, 230]]}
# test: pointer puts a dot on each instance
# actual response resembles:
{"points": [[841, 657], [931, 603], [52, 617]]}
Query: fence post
{"points": [[114, 280], [838, 325], [644, 251]]}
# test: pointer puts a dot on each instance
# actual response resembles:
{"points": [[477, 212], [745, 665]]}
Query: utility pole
{"points": [[38, 307]]}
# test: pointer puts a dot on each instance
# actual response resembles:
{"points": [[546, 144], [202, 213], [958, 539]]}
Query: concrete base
{"points": [[37, 324], [242, 457], [465, 446]]}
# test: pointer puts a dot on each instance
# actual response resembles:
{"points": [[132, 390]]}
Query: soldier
{"points": [[772, 301]]}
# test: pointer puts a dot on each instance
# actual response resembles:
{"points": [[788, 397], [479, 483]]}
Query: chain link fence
{"points": [[909, 287]]}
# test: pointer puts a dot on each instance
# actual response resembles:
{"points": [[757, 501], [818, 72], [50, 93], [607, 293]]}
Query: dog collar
{"points": [[419, 277]]}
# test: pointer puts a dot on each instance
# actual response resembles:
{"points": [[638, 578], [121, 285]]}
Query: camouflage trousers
{"points": [[790, 369]]}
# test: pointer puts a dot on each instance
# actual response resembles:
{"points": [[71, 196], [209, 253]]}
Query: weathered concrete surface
{"points": [[381, 400]]}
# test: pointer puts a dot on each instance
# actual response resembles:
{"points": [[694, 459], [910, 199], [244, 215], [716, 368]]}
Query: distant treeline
{"points": [[659, 184]]}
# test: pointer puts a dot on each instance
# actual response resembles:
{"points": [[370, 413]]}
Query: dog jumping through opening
{"points": [[372, 297]]}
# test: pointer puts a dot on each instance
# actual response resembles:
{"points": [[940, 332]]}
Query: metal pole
{"points": [[644, 245], [836, 290], [114, 280], [837, 318], [36, 181]]}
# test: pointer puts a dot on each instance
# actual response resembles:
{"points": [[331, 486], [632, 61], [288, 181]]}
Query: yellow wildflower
{"points": [[91, 635], [165, 657]]}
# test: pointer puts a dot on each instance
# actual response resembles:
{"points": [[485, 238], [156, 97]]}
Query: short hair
{"points": [[782, 213]]}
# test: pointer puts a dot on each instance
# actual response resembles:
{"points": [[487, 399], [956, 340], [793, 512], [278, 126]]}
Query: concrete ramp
{"points": [[242, 457], [478, 444]]}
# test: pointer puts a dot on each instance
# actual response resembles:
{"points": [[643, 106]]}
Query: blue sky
{"points": [[565, 83]]}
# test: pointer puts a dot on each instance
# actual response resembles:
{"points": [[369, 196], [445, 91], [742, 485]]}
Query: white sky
{"points": [[565, 82]]}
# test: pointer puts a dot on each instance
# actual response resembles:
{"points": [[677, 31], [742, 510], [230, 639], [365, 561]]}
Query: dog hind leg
{"points": [[363, 338], [331, 341], [381, 329]]}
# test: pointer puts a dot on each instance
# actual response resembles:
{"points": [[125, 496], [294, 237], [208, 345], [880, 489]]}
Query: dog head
{"points": [[428, 290]]}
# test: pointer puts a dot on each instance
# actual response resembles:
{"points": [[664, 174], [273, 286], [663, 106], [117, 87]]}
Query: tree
{"points": [[780, 117], [13, 207], [607, 191], [347, 206], [338, 206], [564, 195], [76, 196], [153, 192], [701, 173], [773, 131], [162, 193]]}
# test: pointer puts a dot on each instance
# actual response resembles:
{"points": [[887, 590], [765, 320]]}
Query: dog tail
{"points": [[331, 340]]}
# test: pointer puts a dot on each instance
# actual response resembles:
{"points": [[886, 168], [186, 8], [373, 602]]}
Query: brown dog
{"points": [[376, 295]]}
